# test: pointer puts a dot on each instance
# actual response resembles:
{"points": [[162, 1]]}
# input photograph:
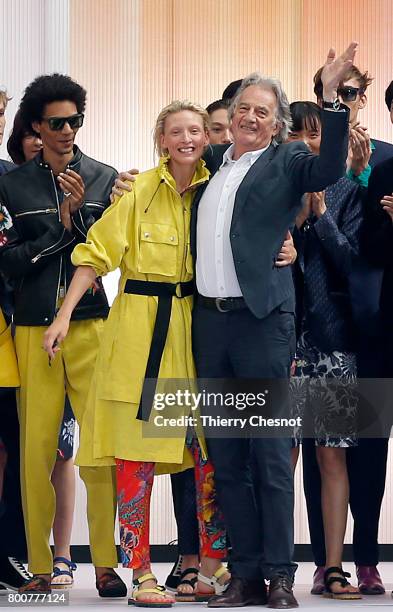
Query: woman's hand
{"points": [[55, 334], [287, 255], [305, 211], [318, 205]]}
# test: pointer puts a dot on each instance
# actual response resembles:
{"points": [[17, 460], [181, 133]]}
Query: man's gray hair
{"points": [[283, 114]]}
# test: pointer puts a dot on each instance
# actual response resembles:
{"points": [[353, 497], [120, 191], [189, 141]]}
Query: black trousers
{"points": [[12, 529], [184, 504], [366, 465], [238, 345]]}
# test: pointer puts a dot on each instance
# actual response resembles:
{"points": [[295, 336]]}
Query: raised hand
{"points": [[335, 69]]}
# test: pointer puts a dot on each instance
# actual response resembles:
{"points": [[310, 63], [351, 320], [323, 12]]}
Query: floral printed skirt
{"points": [[323, 394], [65, 445]]}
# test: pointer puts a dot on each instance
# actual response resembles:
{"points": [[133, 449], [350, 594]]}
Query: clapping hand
{"points": [[359, 149], [387, 203]]}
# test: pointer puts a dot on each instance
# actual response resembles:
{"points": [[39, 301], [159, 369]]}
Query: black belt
{"points": [[222, 304], [165, 292]]}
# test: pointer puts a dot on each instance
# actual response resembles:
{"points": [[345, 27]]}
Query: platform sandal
{"points": [[213, 583], [190, 581], [63, 584], [141, 597], [342, 580]]}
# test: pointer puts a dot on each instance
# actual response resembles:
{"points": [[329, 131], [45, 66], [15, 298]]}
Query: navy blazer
{"points": [[383, 150], [266, 204], [327, 248]]}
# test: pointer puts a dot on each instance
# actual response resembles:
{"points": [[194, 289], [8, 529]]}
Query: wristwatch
{"points": [[335, 105]]}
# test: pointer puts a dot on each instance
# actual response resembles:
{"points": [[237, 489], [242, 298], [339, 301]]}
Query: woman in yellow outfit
{"points": [[147, 336]]}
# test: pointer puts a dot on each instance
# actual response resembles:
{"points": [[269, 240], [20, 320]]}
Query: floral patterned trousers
{"points": [[134, 486]]}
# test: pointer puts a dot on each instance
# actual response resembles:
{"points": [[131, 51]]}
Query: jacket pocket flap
{"points": [[159, 233]]}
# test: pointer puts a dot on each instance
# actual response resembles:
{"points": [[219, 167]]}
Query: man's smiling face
{"points": [[254, 122]]}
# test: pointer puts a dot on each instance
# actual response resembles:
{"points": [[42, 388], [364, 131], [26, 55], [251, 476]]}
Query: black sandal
{"points": [[342, 580], [190, 581]]}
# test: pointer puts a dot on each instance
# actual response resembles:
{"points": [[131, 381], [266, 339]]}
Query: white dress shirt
{"points": [[215, 268]]}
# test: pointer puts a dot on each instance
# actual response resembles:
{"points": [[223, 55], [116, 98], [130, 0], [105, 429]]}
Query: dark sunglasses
{"points": [[57, 123], [348, 94]]}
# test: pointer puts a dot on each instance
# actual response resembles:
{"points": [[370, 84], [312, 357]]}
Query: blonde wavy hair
{"points": [[176, 107], [4, 97]]}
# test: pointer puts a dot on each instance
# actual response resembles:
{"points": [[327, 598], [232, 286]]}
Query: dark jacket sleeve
{"points": [[377, 233], [20, 257], [315, 172], [341, 245]]}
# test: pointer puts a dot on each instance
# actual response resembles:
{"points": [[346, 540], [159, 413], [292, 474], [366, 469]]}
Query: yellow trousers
{"points": [[40, 407]]}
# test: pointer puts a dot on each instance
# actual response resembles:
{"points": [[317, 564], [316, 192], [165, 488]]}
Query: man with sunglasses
{"points": [[366, 462], [49, 203]]}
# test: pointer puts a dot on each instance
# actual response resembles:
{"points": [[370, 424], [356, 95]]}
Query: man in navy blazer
{"points": [[243, 320]]}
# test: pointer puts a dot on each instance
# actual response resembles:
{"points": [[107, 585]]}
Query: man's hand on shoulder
{"points": [[120, 185]]}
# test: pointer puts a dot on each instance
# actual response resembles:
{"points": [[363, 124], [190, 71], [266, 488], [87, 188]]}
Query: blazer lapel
{"points": [[253, 173], [194, 217]]}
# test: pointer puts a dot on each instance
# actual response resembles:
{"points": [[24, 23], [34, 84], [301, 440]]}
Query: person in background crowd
{"points": [[23, 145], [231, 90], [377, 241], [67, 191], [219, 130], [146, 234], [365, 289], [12, 531], [327, 241]]}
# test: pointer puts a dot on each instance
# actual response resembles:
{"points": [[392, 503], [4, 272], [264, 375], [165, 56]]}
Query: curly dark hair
{"points": [[46, 89], [389, 95], [15, 140]]}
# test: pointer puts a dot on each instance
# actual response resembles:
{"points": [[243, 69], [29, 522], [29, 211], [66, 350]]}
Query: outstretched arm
{"points": [[83, 278], [314, 173]]}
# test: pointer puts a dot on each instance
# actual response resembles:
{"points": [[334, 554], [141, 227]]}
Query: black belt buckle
{"points": [[218, 304]]}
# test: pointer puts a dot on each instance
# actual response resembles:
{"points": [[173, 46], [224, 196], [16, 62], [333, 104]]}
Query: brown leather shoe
{"points": [[318, 581], [36, 584], [281, 596], [369, 580], [240, 592], [111, 585]]}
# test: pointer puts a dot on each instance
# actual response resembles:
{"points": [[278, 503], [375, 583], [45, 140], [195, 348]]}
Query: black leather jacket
{"points": [[35, 247]]}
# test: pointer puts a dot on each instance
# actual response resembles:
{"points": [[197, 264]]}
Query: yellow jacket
{"points": [[147, 234], [9, 374]]}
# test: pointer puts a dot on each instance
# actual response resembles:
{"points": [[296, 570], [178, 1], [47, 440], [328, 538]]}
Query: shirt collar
{"points": [[249, 157]]}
